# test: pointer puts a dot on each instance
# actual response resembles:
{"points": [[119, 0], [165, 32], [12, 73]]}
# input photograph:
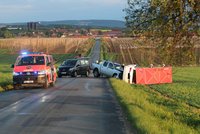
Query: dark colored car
{"points": [[74, 67]]}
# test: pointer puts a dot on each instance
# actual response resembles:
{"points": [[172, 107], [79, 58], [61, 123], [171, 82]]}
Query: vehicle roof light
{"points": [[24, 53]]}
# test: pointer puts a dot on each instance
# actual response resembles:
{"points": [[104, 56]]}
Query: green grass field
{"points": [[168, 108], [5, 69]]}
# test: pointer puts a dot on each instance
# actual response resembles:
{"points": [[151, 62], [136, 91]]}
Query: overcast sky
{"points": [[47, 10]]}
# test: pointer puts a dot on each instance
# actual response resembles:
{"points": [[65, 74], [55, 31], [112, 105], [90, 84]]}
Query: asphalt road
{"points": [[74, 106], [95, 54]]}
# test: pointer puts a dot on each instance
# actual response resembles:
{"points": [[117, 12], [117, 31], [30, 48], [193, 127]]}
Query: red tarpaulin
{"points": [[154, 75]]}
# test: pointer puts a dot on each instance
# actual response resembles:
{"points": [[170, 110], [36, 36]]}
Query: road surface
{"points": [[95, 56], [73, 106]]}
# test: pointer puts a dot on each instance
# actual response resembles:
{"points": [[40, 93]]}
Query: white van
{"points": [[129, 74]]}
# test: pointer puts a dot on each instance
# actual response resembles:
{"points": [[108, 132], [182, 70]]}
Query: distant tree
{"points": [[7, 34], [59, 34], [83, 32], [3, 29], [100, 32], [48, 33], [4, 33], [164, 19]]}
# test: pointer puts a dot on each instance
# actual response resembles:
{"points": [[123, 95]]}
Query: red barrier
{"points": [[154, 75]]}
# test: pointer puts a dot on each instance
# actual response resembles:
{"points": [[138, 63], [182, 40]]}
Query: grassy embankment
{"points": [[167, 108], [5, 69], [160, 109], [7, 57]]}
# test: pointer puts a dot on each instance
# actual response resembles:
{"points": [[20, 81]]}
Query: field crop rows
{"points": [[129, 50], [142, 51], [60, 48], [47, 45]]}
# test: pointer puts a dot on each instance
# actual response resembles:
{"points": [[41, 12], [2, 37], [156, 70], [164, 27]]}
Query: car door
{"points": [[110, 69], [82, 66], [48, 68], [78, 67], [51, 61], [104, 68]]}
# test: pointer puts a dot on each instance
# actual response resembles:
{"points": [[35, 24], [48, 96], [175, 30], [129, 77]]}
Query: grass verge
{"points": [[6, 70], [160, 109]]}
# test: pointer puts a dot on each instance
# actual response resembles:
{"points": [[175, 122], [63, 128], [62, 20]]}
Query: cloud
{"points": [[14, 7]]}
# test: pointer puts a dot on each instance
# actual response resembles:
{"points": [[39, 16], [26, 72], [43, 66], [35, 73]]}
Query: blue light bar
{"points": [[24, 53]]}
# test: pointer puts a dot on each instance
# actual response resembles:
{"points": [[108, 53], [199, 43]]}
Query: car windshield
{"points": [[70, 63], [118, 66], [30, 60]]}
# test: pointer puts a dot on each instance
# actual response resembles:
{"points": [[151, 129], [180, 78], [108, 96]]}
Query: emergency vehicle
{"points": [[34, 69]]}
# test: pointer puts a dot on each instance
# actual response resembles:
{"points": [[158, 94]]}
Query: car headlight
{"points": [[16, 73], [42, 72], [71, 69]]}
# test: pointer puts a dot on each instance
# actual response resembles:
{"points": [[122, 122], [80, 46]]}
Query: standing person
{"points": [[79, 56]]}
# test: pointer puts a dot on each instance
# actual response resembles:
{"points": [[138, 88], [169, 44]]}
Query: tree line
{"points": [[173, 22], [5, 33]]}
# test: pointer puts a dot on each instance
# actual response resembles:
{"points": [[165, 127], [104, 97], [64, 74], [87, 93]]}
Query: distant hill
{"points": [[89, 23], [92, 23]]}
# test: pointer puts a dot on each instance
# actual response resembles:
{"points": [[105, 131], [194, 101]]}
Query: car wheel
{"points": [[59, 75], [115, 76], [46, 84], [96, 73], [16, 87], [74, 74], [87, 74], [53, 83]]}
